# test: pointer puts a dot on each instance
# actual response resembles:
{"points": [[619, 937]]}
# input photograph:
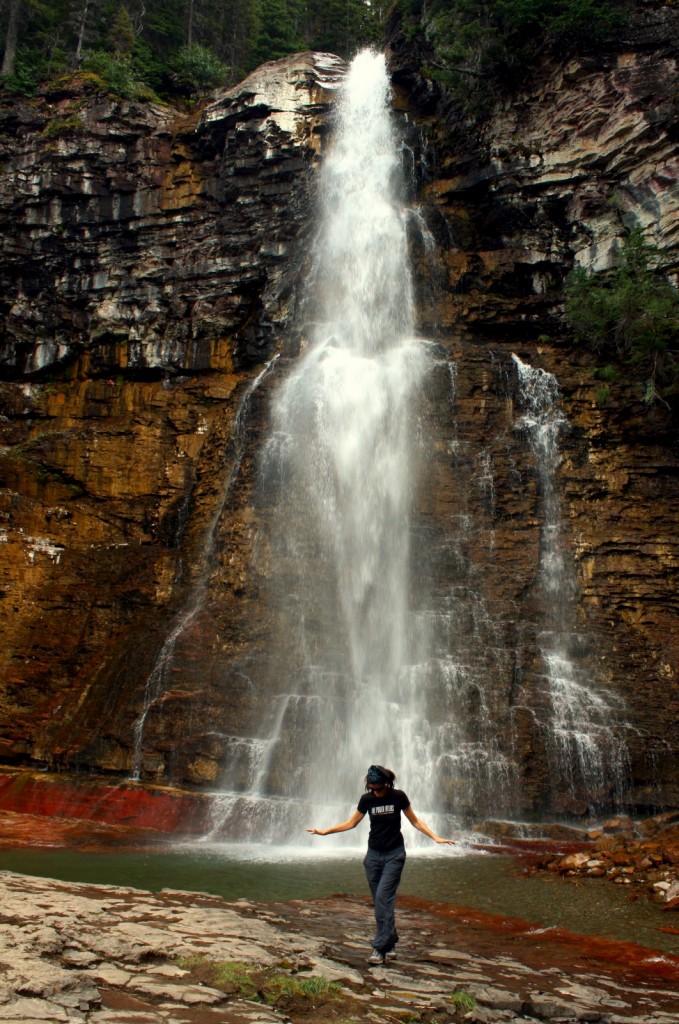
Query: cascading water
{"points": [[344, 416], [158, 679], [585, 742], [341, 451], [363, 667]]}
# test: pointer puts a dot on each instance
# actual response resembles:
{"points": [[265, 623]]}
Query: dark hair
{"points": [[378, 774]]}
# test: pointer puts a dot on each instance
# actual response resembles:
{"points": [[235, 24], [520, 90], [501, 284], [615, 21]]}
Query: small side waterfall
{"points": [[584, 729], [158, 679]]}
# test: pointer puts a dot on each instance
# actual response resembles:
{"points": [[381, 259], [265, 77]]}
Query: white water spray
{"points": [[367, 666], [353, 677]]}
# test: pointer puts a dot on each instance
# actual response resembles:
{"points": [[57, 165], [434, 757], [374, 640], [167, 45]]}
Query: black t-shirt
{"points": [[385, 818]]}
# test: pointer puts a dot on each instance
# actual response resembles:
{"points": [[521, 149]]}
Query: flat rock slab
{"points": [[106, 955]]}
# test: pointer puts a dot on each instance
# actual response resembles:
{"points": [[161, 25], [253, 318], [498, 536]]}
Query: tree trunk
{"points": [[81, 32], [11, 38]]}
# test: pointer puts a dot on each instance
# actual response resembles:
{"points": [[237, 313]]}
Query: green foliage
{"points": [[342, 26], [468, 54], [477, 47], [231, 975], [631, 313], [63, 126], [463, 1001], [312, 988], [227, 974], [260, 984], [122, 36], [280, 31], [586, 21], [119, 75], [609, 373], [199, 69], [25, 79], [176, 46]]}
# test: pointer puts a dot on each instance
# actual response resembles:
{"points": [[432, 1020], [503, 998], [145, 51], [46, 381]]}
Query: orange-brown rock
{"points": [[146, 277], [129, 809], [555, 177], [647, 855]]}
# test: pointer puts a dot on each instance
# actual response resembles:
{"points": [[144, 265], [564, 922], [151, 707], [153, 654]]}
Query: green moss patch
{"points": [[301, 994]]}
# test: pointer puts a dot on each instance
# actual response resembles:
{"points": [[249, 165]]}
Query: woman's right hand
{"points": [[316, 831]]}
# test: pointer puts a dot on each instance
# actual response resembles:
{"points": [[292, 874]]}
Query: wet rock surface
{"points": [[554, 178], [644, 855], [147, 269], [106, 954]]}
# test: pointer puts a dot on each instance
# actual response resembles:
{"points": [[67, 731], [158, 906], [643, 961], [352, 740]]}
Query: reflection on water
{"points": [[490, 883]]}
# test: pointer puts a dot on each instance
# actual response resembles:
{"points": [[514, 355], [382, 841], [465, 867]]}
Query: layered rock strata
{"points": [[149, 272], [147, 269], [554, 178]]}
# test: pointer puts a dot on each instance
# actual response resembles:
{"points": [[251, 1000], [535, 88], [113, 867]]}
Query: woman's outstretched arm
{"points": [[351, 822], [421, 827]]}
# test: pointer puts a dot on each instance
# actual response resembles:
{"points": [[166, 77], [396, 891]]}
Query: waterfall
{"points": [[343, 445], [381, 625], [585, 746], [366, 664], [338, 476]]}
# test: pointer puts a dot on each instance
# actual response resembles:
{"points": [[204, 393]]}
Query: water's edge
{"points": [[498, 885]]}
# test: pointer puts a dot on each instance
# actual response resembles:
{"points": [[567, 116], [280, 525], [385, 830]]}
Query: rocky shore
{"points": [[76, 953], [642, 854]]}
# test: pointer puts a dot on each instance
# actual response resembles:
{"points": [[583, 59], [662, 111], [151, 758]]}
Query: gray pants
{"points": [[383, 871]]}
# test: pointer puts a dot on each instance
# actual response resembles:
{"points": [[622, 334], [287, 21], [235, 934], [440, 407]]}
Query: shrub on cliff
{"points": [[196, 69], [118, 74], [630, 314]]}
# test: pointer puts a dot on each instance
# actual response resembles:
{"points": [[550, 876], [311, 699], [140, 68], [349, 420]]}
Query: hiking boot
{"points": [[390, 956], [376, 959]]}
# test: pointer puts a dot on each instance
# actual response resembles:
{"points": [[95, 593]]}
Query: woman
{"points": [[386, 852]]}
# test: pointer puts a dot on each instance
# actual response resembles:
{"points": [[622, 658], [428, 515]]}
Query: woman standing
{"points": [[386, 852]]}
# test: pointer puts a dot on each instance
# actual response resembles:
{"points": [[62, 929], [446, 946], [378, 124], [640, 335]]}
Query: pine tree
{"points": [[280, 30], [122, 36]]}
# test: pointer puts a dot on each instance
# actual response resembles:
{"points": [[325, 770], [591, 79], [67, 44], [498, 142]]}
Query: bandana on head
{"points": [[376, 777]]}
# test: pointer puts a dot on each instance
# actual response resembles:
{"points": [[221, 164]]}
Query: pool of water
{"points": [[494, 884]]}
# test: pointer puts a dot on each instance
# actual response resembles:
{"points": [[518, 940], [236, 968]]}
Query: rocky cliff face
{"points": [[149, 275], [147, 270], [553, 179]]}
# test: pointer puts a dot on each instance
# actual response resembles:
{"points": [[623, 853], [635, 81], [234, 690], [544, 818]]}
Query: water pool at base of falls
{"points": [[490, 883]]}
